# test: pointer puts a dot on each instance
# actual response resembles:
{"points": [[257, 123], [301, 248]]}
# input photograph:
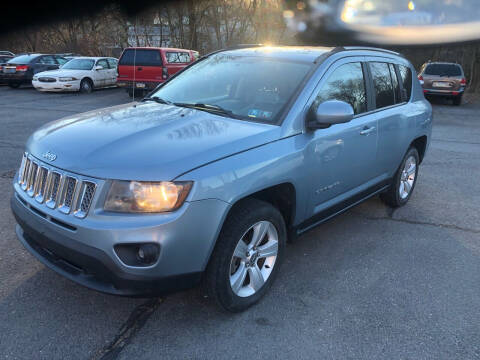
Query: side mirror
{"points": [[328, 113], [99, 67]]}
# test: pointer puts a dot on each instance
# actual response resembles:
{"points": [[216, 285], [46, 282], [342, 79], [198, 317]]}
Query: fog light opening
{"points": [[147, 253]]}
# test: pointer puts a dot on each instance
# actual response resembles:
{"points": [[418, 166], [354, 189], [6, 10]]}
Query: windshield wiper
{"points": [[209, 107], [157, 100]]}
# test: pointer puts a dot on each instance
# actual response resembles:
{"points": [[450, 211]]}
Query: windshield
{"points": [[249, 87], [22, 59], [79, 64], [443, 70]]}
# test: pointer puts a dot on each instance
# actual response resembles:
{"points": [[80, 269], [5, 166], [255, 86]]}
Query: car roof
{"points": [[156, 48], [93, 57], [443, 63], [299, 53]]}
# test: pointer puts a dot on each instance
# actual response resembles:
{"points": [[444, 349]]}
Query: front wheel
{"points": [[247, 256], [404, 180], [14, 85], [86, 86]]}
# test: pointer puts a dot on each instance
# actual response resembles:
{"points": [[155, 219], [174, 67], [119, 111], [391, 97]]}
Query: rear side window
{"points": [[103, 63], [177, 57], [382, 84], [47, 60], [346, 83], [61, 60], [112, 63], [406, 75], [396, 84], [141, 57], [443, 70]]}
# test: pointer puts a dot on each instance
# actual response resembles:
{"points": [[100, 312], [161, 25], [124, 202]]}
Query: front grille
{"points": [[47, 79], [54, 188]]}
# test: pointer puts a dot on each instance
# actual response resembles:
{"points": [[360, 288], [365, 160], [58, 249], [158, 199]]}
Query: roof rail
{"points": [[345, 48]]}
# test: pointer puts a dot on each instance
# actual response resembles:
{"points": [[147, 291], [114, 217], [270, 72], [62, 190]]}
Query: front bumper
{"points": [[57, 86], [86, 254]]}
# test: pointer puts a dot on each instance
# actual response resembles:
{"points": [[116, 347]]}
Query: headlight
{"points": [[67, 79], [149, 197], [35, 78]]}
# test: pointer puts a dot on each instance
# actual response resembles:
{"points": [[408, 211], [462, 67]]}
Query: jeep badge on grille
{"points": [[49, 156]]}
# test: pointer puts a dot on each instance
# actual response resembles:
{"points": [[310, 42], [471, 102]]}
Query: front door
{"points": [[341, 158]]}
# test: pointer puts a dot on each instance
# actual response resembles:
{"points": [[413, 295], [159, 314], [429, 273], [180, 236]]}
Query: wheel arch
{"points": [[420, 143]]}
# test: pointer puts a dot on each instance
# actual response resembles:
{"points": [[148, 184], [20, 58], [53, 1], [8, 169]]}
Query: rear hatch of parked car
{"points": [[446, 77], [141, 66]]}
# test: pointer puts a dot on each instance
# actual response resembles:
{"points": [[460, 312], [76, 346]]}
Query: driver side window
{"points": [[346, 83]]}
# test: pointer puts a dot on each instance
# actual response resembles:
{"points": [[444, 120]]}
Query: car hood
{"points": [[60, 72], [144, 141]]}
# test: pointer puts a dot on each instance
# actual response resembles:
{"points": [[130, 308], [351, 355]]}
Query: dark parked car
{"points": [[143, 69], [443, 79], [20, 69]]}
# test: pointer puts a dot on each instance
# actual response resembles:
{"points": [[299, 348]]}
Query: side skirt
{"points": [[340, 207]]}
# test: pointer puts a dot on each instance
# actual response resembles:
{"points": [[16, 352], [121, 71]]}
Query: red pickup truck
{"points": [[141, 69]]}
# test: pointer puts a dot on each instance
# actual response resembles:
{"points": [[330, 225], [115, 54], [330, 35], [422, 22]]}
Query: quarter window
{"points": [[382, 84], [406, 75], [346, 83]]}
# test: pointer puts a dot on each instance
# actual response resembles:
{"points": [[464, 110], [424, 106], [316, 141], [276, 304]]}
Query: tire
{"points": [[247, 218], [86, 86], [395, 196], [457, 100], [14, 85]]}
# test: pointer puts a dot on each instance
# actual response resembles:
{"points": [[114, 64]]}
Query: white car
{"points": [[79, 74]]}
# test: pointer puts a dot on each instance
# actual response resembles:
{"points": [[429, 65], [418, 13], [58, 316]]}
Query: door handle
{"points": [[139, 68], [367, 130]]}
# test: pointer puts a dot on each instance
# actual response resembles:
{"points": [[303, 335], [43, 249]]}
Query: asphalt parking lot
{"points": [[370, 284]]}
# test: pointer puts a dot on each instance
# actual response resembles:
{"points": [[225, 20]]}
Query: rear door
{"points": [[112, 78], [390, 101], [176, 60], [101, 76], [140, 65], [44, 63]]}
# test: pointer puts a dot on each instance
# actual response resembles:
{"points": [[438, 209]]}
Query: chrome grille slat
{"points": [[85, 199], [54, 188], [41, 184], [32, 175], [52, 191], [67, 194]]}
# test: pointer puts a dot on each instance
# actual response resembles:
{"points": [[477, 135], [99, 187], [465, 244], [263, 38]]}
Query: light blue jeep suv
{"points": [[208, 176]]}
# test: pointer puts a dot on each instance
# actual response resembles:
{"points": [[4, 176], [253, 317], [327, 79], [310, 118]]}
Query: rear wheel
{"points": [[404, 180], [457, 100], [86, 86], [247, 256], [14, 85]]}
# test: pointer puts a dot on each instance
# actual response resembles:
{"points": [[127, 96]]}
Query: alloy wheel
{"points": [[407, 178], [253, 259]]}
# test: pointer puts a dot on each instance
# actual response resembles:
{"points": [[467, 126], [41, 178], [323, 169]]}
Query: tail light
{"points": [[420, 78], [22, 67], [463, 82], [164, 73]]}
